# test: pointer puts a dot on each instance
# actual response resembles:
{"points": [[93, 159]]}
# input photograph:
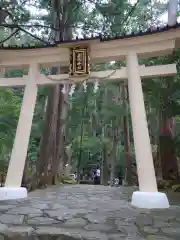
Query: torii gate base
{"points": [[150, 200], [11, 193], [158, 43]]}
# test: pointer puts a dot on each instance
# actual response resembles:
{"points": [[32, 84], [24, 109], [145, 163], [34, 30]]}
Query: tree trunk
{"points": [[59, 153], [47, 140], [105, 166], [54, 135], [167, 153], [166, 149], [58, 143], [105, 162], [113, 159], [39, 178], [157, 159], [128, 163], [82, 135], [150, 124], [54, 147]]}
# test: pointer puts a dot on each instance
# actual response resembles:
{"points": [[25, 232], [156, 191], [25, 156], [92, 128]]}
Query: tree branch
{"points": [[3, 14], [32, 35], [130, 13], [125, 20], [12, 34], [28, 26]]}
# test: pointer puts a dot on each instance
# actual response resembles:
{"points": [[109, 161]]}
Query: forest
{"points": [[86, 124]]}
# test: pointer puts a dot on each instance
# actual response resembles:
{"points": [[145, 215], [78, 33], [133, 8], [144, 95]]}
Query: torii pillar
{"points": [[13, 189], [148, 195]]}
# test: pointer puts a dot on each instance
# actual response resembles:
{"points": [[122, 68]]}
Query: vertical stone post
{"points": [[18, 157], [148, 196]]}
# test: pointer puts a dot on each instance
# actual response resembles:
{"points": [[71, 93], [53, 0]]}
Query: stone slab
{"points": [[11, 219], [85, 212]]}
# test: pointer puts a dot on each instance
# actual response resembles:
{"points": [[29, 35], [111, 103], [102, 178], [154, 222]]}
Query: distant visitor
{"points": [[97, 176]]}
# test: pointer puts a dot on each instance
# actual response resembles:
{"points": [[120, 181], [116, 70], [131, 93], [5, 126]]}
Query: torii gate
{"points": [[159, 42]]}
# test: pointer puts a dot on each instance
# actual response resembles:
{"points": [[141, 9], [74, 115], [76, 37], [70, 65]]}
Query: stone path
{"points": [[86, 213]]}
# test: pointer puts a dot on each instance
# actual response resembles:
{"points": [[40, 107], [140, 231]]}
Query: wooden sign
{"points": [[79, 62]]}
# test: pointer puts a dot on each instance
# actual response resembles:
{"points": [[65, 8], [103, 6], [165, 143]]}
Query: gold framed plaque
{"points": [[79, 62]]}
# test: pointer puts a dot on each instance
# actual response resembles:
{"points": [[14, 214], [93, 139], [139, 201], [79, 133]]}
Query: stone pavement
{"points": [[85, 212]]}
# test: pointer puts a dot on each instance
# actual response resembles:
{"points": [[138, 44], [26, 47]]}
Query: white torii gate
{"points": [[126, 49]]}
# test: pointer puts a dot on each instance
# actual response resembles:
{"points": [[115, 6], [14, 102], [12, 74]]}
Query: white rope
{"points": [[84, 80]]}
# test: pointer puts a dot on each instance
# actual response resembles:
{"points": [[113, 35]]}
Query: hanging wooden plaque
{"points": [[79, 62]]}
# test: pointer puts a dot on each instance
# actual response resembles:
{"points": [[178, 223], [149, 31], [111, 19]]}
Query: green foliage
{"points": [[9, 111]]}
